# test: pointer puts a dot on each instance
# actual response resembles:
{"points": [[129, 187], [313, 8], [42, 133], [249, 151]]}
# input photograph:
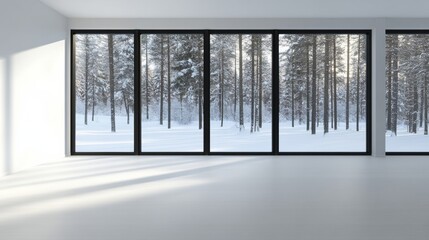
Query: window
{"points": [[240, 92], [221, 92], [103, 96], [172, 80], [407, 68], [323, 92]]}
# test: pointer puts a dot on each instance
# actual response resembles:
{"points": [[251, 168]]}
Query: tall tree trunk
{"points": [[326, 88], [235, 80], [358, 85], [426, 105], [93, 98], [307, 86], [422, 99], [181, 106], [415, 104], [219, 90], [240, 82], [86, 77], [348, 84], [168, 82], [126, 106], [335, 83], [252, 107], [161, 104], [331, 86], [256, 126], [395, 81], [292, 100], [389, 84], [313, 87], [111, 83], [409, 105], [222, 85], [200, 88], [147, 78], [260, 95]]}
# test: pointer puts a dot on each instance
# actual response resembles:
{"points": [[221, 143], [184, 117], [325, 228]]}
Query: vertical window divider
{"points": [[206, 95], [275, 93], [72, 95], [368, 93], [137, 89]]}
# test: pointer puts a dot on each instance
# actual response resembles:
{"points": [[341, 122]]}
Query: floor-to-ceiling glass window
{"points": [[172, 80], [323, 92], [407, 79], [240, 92], [103, 73]]}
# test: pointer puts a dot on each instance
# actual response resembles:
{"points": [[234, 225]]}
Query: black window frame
{"points": [[205, 132], [73, 90], [273, 134], [405, 32], [368, 94], [206, 92]]}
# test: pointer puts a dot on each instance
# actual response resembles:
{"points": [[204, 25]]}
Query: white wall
{"points": [[32, 84]]}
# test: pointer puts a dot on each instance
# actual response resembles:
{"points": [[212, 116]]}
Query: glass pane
{"points": [[322, 93], [172, 92], [407, 68], [240, 93], [104, 80]]}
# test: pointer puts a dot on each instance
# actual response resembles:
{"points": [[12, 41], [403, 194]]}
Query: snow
{"points": [[407, 142], [97, 137], [229, 138], [298, 139], [180, 138]]}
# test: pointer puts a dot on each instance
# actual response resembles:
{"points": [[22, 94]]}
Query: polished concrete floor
{"points": [[218, 198]]}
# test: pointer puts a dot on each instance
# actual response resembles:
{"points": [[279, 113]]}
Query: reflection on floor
{"points": [[218, 197]]}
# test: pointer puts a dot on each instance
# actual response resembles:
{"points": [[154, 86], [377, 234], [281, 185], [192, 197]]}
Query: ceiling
{"points": [[240, 8]]}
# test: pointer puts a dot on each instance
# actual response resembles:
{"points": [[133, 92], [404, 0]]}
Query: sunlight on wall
{"points": [[37, 119], [2, 115]]}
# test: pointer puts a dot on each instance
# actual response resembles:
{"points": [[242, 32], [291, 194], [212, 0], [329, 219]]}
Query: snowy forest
{"points": [[407, 68], [104, 86], [172, 92], [322, 92], [240, 92]]}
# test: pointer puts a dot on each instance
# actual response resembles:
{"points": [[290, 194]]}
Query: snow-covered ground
{"points": [[407, 142], [96, 137], [298, 139], [229, 138], [180, 138]]}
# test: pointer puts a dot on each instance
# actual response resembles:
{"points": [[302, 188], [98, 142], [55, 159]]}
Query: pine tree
{"points": [[168, 83], [161, 102], [314, 86], [335, 82], [358, 83], [326, 88], [240, 82], [395, 79]]}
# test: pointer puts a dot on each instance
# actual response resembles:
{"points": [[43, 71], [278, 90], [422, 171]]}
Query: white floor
{"points": [[218, 198]]}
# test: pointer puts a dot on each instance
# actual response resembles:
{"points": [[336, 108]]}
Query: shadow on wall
{"points": [[32, 72]]}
